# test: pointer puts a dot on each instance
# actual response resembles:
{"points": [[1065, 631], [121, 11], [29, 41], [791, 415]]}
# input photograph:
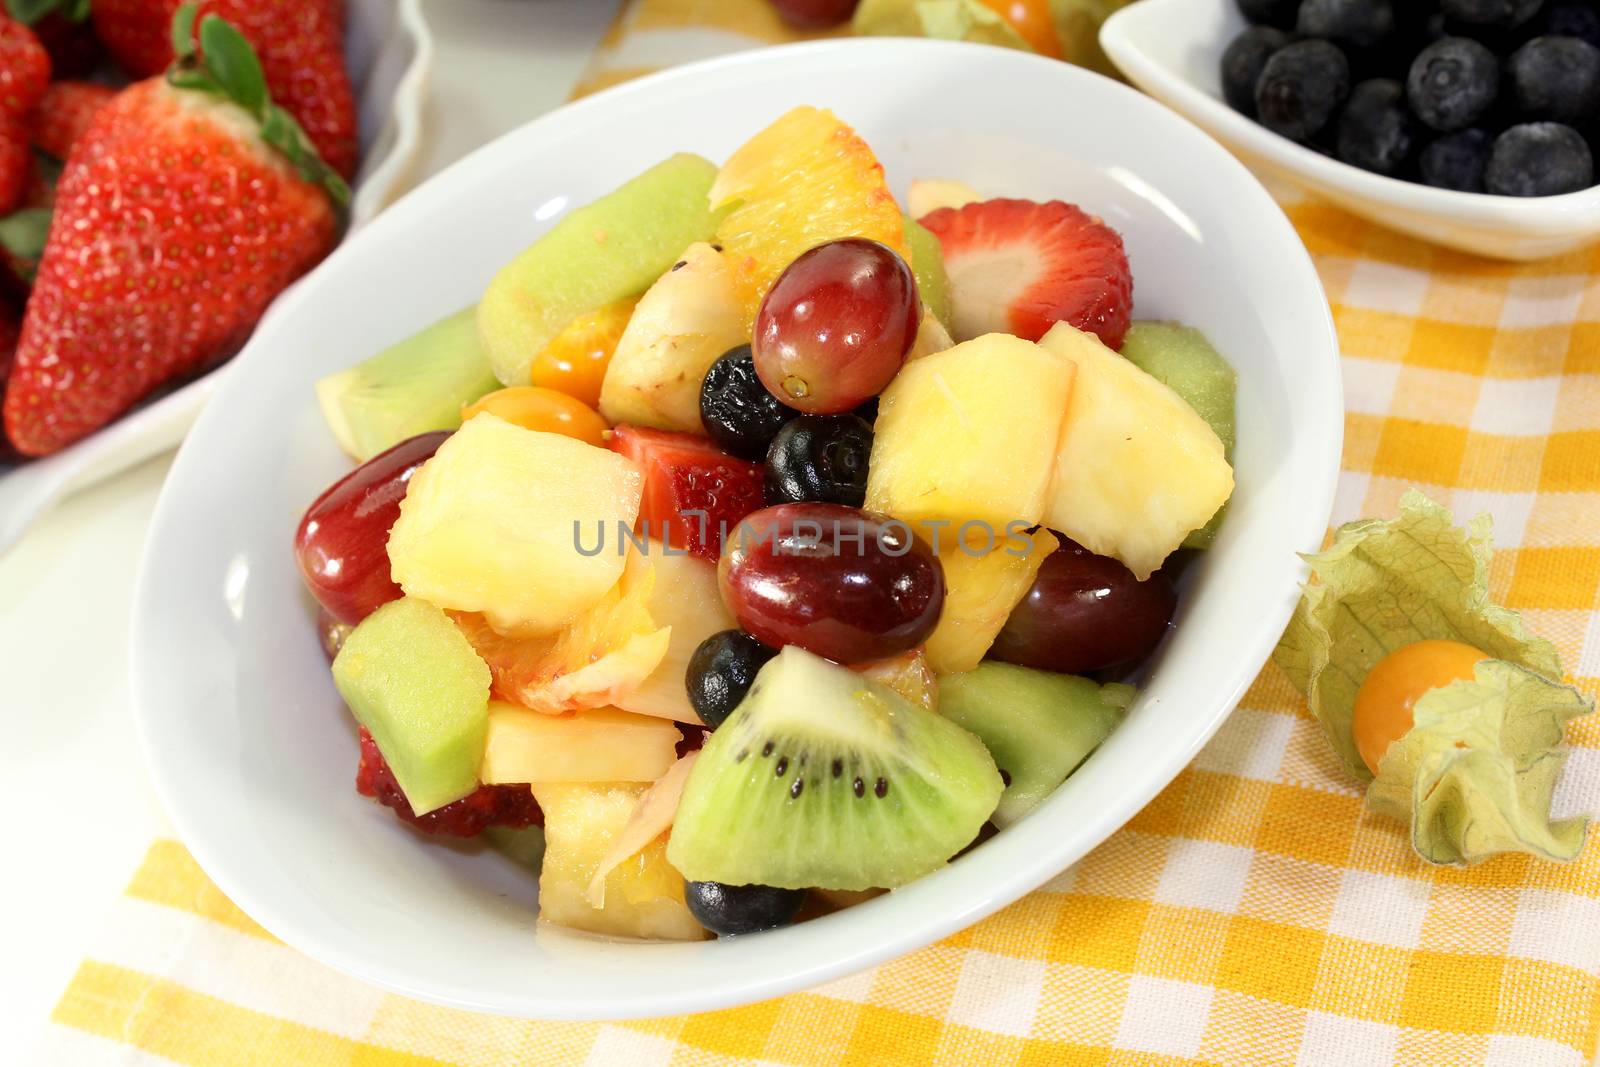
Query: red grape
{"points": [[814, 14], [836, 326], [835, 580], [1085, 612], [342, 544]]}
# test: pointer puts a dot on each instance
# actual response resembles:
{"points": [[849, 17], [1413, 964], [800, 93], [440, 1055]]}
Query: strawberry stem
{"points": [[224, 64]]}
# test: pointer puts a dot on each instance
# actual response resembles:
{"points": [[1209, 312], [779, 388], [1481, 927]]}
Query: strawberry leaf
{"points": [[23, 234], [183, 30], [233, 63], [29, 12]]}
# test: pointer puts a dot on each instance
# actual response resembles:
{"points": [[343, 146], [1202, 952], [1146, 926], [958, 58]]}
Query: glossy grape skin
{"points": [[819, 457], [720, 673], [814, 14], [1085, 612], [342, 544], [790, 579], [836, 326]]}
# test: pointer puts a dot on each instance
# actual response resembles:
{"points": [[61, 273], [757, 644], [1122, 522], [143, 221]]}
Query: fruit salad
{"points": [[760, 541]]}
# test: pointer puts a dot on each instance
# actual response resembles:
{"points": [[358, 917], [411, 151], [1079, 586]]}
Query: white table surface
{"points": [[79, 808]]}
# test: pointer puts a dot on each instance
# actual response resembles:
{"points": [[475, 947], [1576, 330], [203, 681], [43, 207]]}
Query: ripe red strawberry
{"points": [[23, 231], [1020, 267], [10, 326], [209, 222], [24, 68], [300, 42], [63, 113], [16, 159], [682, 474]]}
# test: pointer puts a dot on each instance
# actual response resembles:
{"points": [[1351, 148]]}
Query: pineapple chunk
{"points": [[979, 593], [489, 524], [597, 745], [931, 337], [969, 434], [690, 316], [1137, 469], [643, 895], [686, 600], [926, 195]]}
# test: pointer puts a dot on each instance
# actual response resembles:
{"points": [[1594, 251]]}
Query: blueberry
{"points": [[1456, 160], [1453, 83], [1569, 18], [1503, 13], [1242, 61], [1279, 13], [739, 413], [819, 457], [741, 909], [721, 671], [1357, 23], [1376, 132], [1539, 159], [1556, 78], [1301, 87]]}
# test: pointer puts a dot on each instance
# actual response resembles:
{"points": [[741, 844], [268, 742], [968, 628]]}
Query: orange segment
{"points": [[575, 362], [805, 180], [535, 408], [1385, 700]]}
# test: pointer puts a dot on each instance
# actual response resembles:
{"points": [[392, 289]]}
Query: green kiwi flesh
{"points": [[822, 778]]}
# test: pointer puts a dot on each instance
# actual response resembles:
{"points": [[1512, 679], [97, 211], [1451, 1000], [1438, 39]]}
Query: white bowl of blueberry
{"points": [[1471, 123]]}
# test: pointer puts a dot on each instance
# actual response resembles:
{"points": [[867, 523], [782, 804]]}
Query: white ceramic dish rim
{"points": [[1475, 209], [1018, 861], [161, 424]]}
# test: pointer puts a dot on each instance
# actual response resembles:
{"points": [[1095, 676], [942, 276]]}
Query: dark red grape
{"points": [[815, 14], [834, 580], [1085, 612], [342, 544], [836, 326]]}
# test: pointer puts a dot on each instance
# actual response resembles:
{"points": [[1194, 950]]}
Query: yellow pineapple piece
{"points": [[643, 894], [1137, 469], [487, 525], [685, 599], [688, 318], [805, 180], [969, 434], [595, 745], [979, 593]]}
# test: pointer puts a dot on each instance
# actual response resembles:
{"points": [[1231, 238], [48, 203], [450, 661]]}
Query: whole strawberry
{"points": [[24, 68], [300, 43], [188, 204], [64, 112]]}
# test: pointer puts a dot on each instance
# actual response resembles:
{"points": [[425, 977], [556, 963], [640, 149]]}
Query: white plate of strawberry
{"points": [[153, 203]]}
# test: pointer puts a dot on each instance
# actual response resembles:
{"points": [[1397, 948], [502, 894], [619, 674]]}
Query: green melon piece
{"points": [[822, 778], [603, 252], [412, 679], [927, 264], [1181, 358], [416, 386], [1038, 726]]}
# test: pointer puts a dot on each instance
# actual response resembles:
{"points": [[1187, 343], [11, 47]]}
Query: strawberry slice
{"points": [[1018, 266], [685, 475]]}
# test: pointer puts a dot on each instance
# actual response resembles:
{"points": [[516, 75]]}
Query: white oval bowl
{"points": [[244, 733], [1172, 49], [389, 53]]}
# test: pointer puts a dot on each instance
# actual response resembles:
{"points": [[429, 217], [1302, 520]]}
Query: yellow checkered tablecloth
{"points": [[1252, 914]]}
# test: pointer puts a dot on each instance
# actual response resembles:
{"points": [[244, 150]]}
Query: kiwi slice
{"points": [[822, 778], [1183, 360], [927, 265], [1038, 726]]}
